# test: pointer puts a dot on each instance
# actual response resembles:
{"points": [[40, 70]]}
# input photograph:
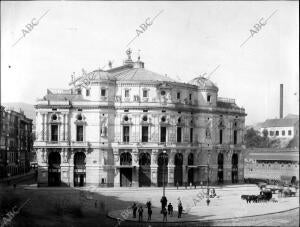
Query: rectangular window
{"points": [[178, 134], [144, 133], [87, 92], [235, 137], [79, 133], [290, 132], [208, 98], [126, 93], [54, 132], [163, 133], [145, 93], [178, 95], [283, 133], [191, 134], [271, 133], [79, 91], [126, 134], [221, 136], [190, 97], [277, 133], [103, 92]]}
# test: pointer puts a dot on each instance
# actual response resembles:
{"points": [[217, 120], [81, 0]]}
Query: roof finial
{"points": [[128, 52]]}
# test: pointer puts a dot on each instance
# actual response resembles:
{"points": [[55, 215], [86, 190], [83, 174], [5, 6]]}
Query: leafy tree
{"points": [[253, 139]]}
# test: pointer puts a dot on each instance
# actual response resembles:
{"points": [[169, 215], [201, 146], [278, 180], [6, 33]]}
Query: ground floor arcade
{"points": [[138, 167]]}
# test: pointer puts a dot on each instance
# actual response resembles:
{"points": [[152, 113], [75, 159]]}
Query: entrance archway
{"points": [[191, 170], [220, 168], [79, 169], [144, 170], [125, 169], [54, 169], [178, 169], [234, 172], [162, 170]]}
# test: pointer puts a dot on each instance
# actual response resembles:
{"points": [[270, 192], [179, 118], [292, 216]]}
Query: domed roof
{"points": [[203, 83], [99, 75]]}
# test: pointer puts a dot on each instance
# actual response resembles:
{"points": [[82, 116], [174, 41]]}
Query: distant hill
{"points": [[26, 107]]}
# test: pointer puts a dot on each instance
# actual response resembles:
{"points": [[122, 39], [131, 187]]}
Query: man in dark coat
{"points": [[134, 209], [140, 211], [163, 202], [180, 208]]}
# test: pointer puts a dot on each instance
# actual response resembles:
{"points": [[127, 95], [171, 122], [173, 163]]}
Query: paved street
{"points": [[228, 205]]}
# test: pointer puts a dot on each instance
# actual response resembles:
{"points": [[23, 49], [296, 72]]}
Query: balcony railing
{"points": [[227, 100]]}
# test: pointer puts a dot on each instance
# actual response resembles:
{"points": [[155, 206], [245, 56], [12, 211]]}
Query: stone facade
{"points": [[15, 144], [128, 126]]}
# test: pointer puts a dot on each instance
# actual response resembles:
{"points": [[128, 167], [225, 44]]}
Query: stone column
{"points": [[135, 170], [117, 170], [43, 127], [71, 166], [171, 167], [65, 168], [42, 159], [184, 167], [153, 167], [227, 167]]}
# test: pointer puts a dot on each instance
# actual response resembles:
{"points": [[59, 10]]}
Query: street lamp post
{"points": [[164, 153]]}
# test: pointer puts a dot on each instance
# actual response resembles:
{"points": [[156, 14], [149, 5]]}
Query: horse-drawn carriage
{"points": [[264, 196]]}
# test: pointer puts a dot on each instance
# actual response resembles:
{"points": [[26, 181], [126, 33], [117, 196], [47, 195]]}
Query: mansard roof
{"points": [[62, 95]]}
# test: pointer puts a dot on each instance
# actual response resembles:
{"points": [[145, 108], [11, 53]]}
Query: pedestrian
{"points": [[195, 185], [165, 212], [180, 208], [163, 202], [134, 209], [149, 213], [95, 203], [190, 185], [140, 211], [148, 204], [201, 184], [177, 185], [169, 208], [207, 201]]}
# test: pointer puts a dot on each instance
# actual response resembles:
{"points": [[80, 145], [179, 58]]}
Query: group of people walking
{"points": [[165, 209]]}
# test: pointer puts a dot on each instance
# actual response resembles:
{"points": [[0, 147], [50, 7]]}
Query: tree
{"points": [[253, 139]]}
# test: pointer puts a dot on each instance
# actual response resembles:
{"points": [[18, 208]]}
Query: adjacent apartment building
{"points": [[128, 126], [15, 144]]}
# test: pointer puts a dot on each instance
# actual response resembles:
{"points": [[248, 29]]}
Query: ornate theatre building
{"points": [[128, 126]]}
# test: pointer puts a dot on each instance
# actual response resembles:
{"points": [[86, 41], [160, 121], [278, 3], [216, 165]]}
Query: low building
{"points": [[16, 143], [282, 128], [278, 165]]}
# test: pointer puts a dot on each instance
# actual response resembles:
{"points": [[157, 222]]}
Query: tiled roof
{"points": [[286, 156], [284, 122], [140, 74], [64, 97]]}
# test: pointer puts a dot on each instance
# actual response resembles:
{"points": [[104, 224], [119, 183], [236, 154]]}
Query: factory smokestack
{"points": [[281, 102]]}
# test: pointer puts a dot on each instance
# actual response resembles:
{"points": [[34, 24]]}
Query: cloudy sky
{"points": [[186, 40]]}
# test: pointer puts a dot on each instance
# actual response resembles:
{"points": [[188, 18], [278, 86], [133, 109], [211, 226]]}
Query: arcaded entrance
{"points": [[178, 169], [54, 169], [144, 170], [191, 169], [125, 169], [79, 169], [234, 173], [162, 170], [220, 168]]}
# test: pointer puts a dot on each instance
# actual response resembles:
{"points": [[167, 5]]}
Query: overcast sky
{"points": [[187, 39]]}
